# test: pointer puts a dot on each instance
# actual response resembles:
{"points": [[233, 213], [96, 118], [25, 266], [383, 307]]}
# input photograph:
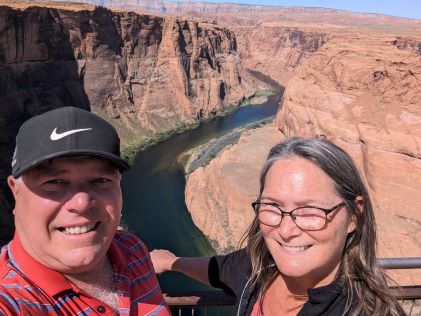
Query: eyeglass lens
{"points": [[306, 218]]}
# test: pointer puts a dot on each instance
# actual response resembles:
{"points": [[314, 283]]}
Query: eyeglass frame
{"points": [[327, 211]]}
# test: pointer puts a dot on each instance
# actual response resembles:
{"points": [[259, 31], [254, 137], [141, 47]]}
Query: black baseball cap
{"points": [[66, 131]]}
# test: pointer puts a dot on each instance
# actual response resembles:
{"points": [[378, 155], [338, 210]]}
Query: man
{"points": [[67, 257]]}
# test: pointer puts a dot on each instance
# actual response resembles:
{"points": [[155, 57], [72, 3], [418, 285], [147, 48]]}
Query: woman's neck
{"points": [[300, 285], [280, 300]]}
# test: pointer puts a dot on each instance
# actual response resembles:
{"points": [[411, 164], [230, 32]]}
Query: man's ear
{"points": [[359, 203], [13, 185]]}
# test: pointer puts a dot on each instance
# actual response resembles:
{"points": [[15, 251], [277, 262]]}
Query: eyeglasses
{"points": [[305, 217]]}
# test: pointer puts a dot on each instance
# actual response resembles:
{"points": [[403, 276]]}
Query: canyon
{"points": [[351, 78], [145, 74]]}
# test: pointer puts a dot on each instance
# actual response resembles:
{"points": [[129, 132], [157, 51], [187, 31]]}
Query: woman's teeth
{"points": [[295, 249]]}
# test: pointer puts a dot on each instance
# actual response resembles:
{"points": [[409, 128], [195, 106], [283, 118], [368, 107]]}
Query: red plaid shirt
{"points": [[29, 288]]}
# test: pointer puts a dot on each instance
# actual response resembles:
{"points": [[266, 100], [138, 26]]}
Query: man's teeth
{"points": [[78, 229], [295, 249]]}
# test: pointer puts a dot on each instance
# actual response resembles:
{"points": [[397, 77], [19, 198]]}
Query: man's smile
{"points": [[76, 230]]}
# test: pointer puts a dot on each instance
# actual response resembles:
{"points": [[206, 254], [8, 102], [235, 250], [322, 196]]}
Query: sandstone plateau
{"points": [[141, 72]]}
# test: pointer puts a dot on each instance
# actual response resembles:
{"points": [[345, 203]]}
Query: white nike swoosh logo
{"points": [[56, 136]]}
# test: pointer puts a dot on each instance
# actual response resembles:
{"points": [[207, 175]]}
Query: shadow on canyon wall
{"points": [[38, 72], [268, 80]]}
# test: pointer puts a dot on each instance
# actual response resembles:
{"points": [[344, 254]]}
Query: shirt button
{"points": [[100, 309]]}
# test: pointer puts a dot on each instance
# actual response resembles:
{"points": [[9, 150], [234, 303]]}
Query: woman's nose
{"points": [[287, 228]]}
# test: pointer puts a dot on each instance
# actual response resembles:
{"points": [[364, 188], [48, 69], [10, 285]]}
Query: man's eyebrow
{"points": [[46, 171], [108, 168]]}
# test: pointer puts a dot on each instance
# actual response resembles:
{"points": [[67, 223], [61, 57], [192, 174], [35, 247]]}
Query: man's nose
{"points": [[80, 201]]}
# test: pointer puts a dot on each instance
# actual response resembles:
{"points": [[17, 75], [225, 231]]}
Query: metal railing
{"points": [[202, 302], [400, 263]]}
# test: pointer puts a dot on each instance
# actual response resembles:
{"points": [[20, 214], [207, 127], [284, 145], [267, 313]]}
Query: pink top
{"points": [[256, 309]]}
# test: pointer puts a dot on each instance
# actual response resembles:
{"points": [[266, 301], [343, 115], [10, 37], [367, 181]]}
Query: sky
{"points": [[403, 8]]}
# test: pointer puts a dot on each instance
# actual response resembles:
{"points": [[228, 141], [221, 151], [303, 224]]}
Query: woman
{"points": [[311, 247]]}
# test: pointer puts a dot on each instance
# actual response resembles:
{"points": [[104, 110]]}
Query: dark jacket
{"points": [[232, 274]]}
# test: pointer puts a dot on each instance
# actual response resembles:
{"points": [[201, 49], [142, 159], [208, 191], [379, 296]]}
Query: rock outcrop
{"points": [[276, 50], [142, 73], [410, 44]]}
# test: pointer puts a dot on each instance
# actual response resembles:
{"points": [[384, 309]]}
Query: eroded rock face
{"points": [[139, 71], [32, 81], [410, 44], [142, 73], [275, 50]]}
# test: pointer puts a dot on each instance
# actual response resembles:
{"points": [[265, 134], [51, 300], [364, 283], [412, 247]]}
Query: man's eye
{"points": [[102, 180], [54, 181], [53, 185]]}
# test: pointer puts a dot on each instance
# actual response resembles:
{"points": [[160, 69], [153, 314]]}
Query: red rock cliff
{"points": [[143, 73], [276, 50]]}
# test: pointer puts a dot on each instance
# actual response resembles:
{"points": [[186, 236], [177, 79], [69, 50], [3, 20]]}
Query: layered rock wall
{"points": [[142, 73], [136, 69], [277, 51]]}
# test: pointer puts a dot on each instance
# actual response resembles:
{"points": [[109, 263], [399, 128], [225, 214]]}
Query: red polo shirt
{"points": [[29, 288]]}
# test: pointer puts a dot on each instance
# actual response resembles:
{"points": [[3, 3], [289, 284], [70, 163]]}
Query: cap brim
{"points": [[120, 163]]}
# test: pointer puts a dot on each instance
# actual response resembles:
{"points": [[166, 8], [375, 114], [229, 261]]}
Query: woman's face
{"points": [[310, 258]]}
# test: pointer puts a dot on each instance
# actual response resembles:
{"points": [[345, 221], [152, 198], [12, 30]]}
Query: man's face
{"points": [[67, 212]]}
